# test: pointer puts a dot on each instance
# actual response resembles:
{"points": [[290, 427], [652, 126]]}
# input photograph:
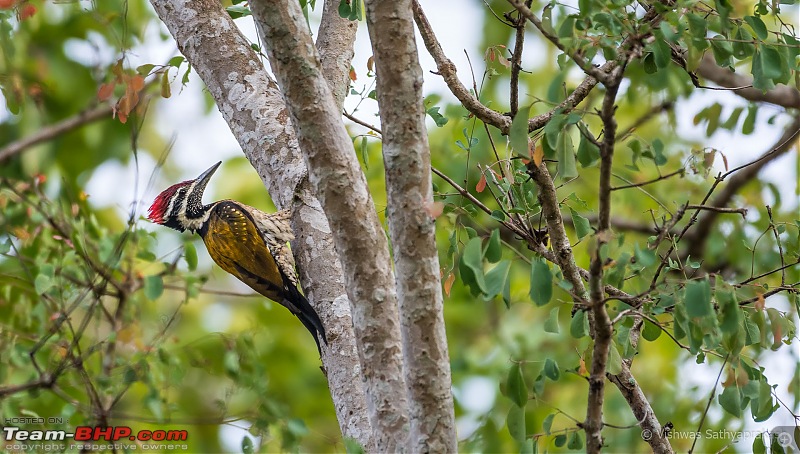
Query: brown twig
{"points": [[743, 175], [742, 211], [447, 70], [55, 130], [680, 172]]}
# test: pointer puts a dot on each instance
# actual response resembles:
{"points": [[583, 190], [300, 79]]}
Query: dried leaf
{"points": [[371, 64], [106, 90], [760, 302], [448, 283], [481, 184], [582, 370], [538, 155], [353, 74], [27, 11], [136, 83], [434, 209]]}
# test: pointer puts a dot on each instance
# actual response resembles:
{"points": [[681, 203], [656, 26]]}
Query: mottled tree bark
{"points": [[407, 159], [254, 109], [342, 190]]}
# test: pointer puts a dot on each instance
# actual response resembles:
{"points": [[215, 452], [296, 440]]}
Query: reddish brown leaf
{"points": [[105, 91], [760, 302], [352, 74], [538, 154], [434, 209], [371, 64], [7, 4], [481, 184], [448, 283], [27, 11], [136, 82]]}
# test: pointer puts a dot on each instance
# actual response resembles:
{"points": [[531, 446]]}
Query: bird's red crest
{"points": [[161, 203]]}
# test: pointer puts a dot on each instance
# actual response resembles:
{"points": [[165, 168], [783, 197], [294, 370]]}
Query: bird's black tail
{"points": [[307, 315]]}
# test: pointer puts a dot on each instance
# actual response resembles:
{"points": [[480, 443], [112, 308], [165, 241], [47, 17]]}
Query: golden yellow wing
{"points": [[235, 244]]}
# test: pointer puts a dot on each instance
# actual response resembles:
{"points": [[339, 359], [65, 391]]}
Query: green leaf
{"points": [[698, 299], [498, 215], [176, 61], [733, 120], [496, 279], [515, 386], [582, 225], [651, 332], [743, 44], [658, 150], [42, 283], [758, 445], [766, 67], [190, 254], [750, 120], [344, 9], [731, 401], [541, 282], [551, 369], [758, 26], [697, 29], [493, 251], [579, 326], [551, 324], [153, 403], [231, 363], [363, 151], [516, 423], [144, 70], [247, 445], [352, 446], [575, 441], [237, 11], [614, 364], [547, 423], [153, 287], [588, 153], [668, 31], [662, 53], [473, 259], [723, 51], [438, 118], [560, 440], [565, 152], [518, 133], [644, 257]]}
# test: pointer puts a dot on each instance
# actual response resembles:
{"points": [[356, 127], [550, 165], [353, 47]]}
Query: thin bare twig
{"points": [[55, 130]]}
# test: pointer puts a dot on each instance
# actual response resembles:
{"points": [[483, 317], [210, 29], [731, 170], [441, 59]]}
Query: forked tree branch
{"points": [[342, 189], [255, 111]]}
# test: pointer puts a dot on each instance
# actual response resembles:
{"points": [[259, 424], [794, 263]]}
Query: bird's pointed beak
{"points": [[204, 177]]}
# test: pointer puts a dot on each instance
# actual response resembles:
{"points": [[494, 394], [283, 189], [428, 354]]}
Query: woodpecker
{"points": [[244, 241]]}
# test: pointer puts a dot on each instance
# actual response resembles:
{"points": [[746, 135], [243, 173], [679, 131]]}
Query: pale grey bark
{"points": [[407, 159], [342, 190], [335, 46], [253, 106]]}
